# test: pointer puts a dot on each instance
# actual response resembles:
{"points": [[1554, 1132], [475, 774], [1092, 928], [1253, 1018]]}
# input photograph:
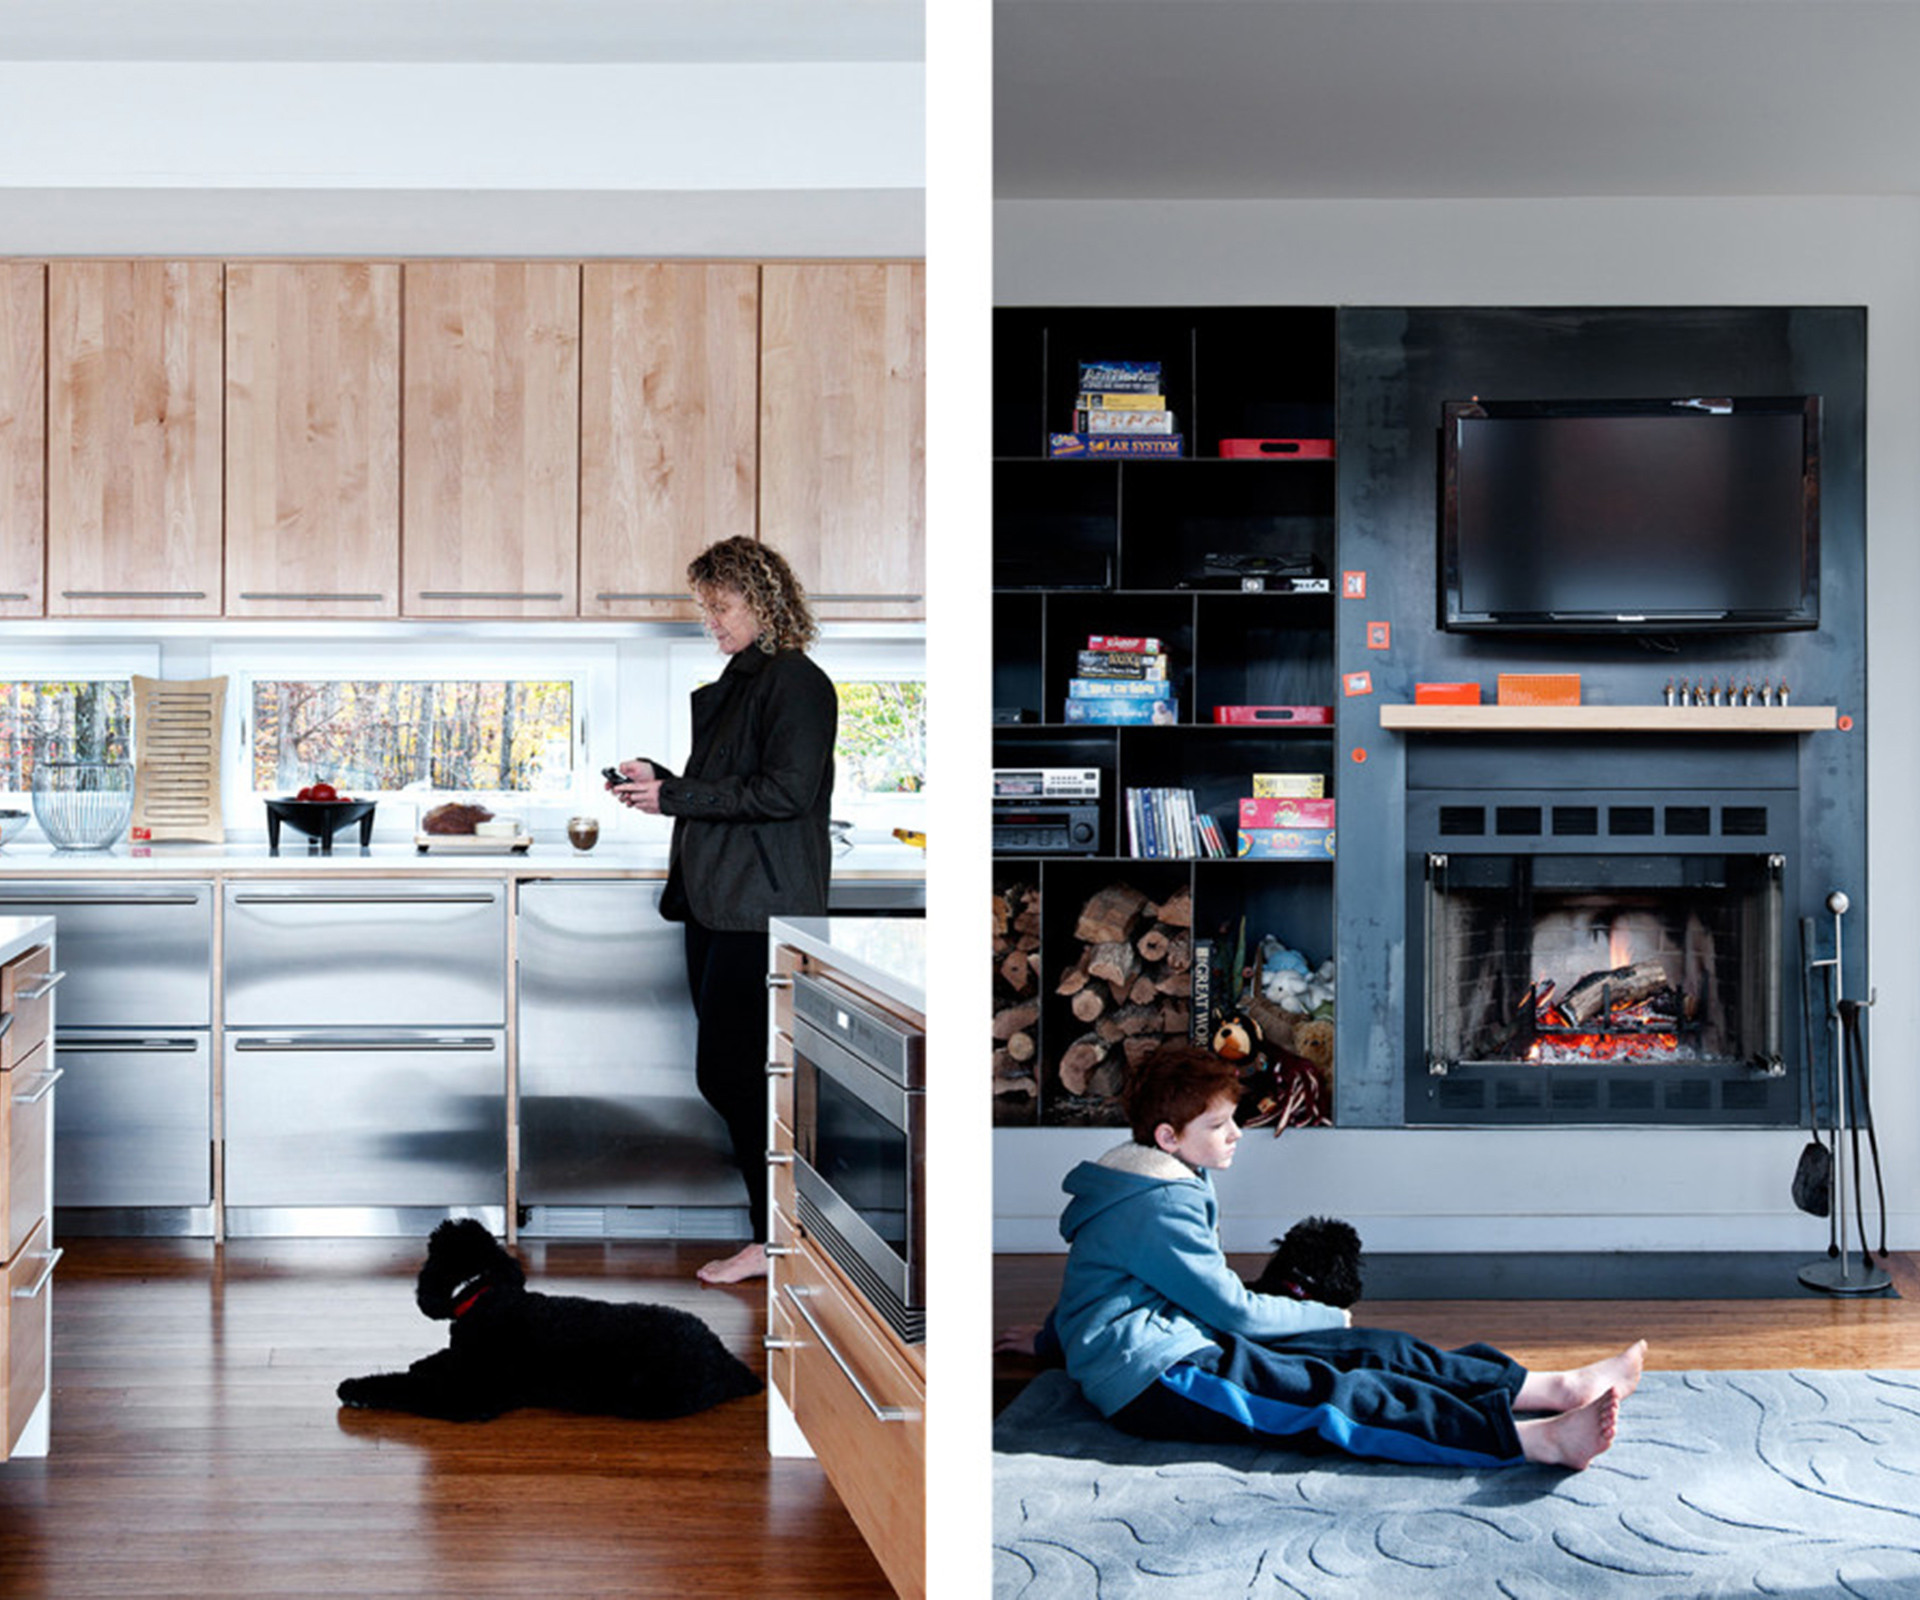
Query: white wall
{"points": [[1574, 1189]]}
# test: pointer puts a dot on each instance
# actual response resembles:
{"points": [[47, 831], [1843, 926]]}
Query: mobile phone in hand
{"points": [[614, 775]]}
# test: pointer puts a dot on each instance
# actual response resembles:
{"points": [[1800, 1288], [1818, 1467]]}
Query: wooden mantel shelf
{"points": [[1609, 719]]}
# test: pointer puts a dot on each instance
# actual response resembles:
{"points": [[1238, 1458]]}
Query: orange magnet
{"points": [[1357, 683], [1360, 754], [1379, 635], [1353, 585]]}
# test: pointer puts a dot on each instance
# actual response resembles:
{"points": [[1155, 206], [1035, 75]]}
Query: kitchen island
{"points": [[27, 1077], [846, 1240]]}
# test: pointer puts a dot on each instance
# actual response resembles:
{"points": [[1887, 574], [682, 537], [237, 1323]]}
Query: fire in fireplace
{"points": [[1603, 985]]}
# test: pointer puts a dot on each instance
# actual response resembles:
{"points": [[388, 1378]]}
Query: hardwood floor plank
{"points": [[1800, 1329], [198, 1449]]}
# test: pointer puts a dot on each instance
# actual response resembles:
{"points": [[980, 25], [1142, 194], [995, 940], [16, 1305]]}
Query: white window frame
{"points": [[589, 666]]}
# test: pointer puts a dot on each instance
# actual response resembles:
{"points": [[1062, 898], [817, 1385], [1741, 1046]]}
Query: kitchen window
{"points": [[74, 709], [427, 721], [880, 749]]}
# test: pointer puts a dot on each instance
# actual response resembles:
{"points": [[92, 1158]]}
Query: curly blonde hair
{"points": [[761, 574]]}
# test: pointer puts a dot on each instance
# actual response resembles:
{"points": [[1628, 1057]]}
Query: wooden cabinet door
{"points": [[843, 432], [23, 438], [133, 438], [313, 439], [490, 439], [667, 427]]}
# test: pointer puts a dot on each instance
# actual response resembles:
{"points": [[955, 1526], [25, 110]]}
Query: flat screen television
{"points": [[1631, 516]]}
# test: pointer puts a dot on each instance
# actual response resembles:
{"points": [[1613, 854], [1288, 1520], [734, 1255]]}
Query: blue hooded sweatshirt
{"points": [[1146, 1284]]}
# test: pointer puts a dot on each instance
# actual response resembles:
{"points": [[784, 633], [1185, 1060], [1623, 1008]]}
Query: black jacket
{"points": [[750, 812]]}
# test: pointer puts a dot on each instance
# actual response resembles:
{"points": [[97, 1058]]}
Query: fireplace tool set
{"points": [[1852, 1111]]}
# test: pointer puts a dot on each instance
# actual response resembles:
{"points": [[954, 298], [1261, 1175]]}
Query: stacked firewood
{"points": [[1130, 987], [1016, 1000]]}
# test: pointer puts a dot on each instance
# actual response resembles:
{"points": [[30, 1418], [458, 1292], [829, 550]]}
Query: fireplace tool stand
{"points": [[1838, 1274]]}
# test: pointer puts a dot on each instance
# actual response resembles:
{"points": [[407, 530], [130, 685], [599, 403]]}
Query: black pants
{"points": [[727, 974]]}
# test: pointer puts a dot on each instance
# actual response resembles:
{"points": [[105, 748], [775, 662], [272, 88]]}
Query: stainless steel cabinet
{"points": [[136, 1120], [366, 954], [366, 1118], [609, 1113], [136, 955]]}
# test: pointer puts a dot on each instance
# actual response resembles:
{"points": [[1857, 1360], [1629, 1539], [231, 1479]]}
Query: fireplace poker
{"points": [[1830, 1275]]}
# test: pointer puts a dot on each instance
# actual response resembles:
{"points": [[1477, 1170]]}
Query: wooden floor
{"points": [[1807, 1330], [198, 1449]]}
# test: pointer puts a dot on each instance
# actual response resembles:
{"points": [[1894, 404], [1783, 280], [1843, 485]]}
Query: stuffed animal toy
{"points": [[1316, 1259], [510, 1347]]}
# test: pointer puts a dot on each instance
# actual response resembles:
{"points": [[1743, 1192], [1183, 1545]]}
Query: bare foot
{"points": [[750, 1262], [1573, 1438], [1567, 1391]]}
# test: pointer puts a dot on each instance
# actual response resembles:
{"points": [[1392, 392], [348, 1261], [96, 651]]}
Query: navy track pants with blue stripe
{"points": [[1366, 1391]]}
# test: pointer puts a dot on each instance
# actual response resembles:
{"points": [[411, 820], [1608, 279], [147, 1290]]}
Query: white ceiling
{"points": [[557, 127], [1318, 99]]}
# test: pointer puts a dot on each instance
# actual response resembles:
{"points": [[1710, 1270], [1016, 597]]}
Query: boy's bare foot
{"points": [[750, 1262], [1567, 1391], [1573, 1438]]}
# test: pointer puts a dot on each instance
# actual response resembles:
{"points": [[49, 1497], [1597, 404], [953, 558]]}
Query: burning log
{"points": [[1599, 992]]}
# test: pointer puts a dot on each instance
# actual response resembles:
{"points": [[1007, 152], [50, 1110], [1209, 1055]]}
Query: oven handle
{"points": [[798, 1294]]}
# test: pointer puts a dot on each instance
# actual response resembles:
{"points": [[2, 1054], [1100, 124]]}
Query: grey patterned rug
{"points": [[1795, 1484]]}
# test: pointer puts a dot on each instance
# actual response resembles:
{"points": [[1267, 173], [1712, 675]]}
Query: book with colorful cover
{"points": [[1120, 664], [1118, 400], [1069, 446], [1101, 420], [1123, 377], [1112, 712], [1120, 688]]}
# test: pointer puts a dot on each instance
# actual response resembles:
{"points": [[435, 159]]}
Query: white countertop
{"points": [[545, 857], [888, 954], [22, 933]]}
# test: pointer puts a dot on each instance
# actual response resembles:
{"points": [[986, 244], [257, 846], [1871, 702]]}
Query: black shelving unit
{"points": [[1121, 546]]}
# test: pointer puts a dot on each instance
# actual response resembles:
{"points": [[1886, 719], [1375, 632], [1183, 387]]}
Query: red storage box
{"points": [[1298, 716], [1277, 449], [1446, 694]]}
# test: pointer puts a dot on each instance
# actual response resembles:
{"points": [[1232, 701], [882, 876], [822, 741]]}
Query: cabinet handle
{"points": [[129, 1047], [41, 989], [485, 594], [779, 980], [771, 1343], [670, 594], [396, 899], [133, 594], [779, 1158], [780, 1249], [356, 1046], [47, 1081], [283, 594], [881, 1413], [779, 1069], [11, 900], [6, 1023], [873, 596], [32, 1292], [15, 597]]}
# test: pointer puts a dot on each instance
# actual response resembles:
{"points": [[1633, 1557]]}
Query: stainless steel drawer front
{"points": [[381, 1120], [136, 955], [331, 956], [136, 1121], [877, 1038]]}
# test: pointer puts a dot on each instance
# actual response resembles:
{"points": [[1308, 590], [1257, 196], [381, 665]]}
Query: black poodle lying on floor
{"points": [[1317, 1259], [510, 1346]]}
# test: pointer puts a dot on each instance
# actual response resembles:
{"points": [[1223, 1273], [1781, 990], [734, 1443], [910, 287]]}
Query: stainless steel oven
{"points": [[860, 1144]]}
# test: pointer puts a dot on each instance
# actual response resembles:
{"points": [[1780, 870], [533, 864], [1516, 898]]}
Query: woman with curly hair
{"points": [[749, 834]]}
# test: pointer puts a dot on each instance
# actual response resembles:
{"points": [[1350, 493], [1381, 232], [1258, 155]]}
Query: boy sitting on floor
{"points": [[1168, 1343]]}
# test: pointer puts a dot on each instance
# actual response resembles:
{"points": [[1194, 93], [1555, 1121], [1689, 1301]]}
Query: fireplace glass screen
{"points": [[1585, 962]]}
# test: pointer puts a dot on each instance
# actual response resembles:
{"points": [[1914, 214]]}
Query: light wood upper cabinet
{"points": [[843, 432], [23, 437], [313, 439], [134, 446], [491, 439], [669, 398]]}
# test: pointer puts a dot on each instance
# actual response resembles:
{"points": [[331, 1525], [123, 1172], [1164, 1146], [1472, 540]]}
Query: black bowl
{"points": [[319, 819]]}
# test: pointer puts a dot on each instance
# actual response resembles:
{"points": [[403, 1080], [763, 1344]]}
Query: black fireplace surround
{"points": [[1600, 955]]}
